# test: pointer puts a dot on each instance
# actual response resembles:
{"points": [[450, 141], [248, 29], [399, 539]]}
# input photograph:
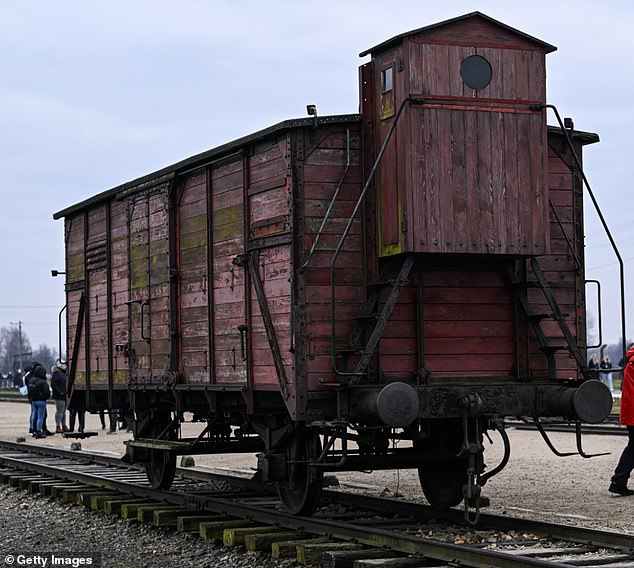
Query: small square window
{"points": [[387, 93], [387, 83]]}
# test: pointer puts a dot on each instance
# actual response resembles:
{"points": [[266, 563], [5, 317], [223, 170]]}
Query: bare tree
{"points": [[45, 356], [14, 347]]}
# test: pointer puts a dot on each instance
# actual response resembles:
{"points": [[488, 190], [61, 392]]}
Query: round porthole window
{"points": [[476, 72]]}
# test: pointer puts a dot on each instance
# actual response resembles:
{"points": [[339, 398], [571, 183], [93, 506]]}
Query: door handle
{"points": [[242, 328]]}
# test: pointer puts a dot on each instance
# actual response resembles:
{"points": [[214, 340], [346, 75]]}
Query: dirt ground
{"points": [[535, 484]]}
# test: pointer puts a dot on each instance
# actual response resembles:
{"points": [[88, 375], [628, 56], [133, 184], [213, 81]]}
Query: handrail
{"points": [[600, 324], [599, 213], [344, 236], [59, 334]]}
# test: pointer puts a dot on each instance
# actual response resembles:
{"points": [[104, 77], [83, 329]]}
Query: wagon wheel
{"points": [[161, 469], [161, 464], [301, 491], [442, 480]]}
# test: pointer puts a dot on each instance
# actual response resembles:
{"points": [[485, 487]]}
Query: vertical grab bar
{"points": [[59, 333], [600, 324]]}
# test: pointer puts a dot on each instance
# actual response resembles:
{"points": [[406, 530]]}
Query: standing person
{"points": [[593, 367], [606, 378], [80, 415], [39, 392], [77, 410], [28, 377], [626, 462], [25, 381], [114, 418], [58, 386]]}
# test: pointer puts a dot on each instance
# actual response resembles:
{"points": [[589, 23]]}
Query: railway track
{"points": [[345, 529]]}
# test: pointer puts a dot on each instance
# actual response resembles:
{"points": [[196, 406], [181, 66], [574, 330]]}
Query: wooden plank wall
{"points": [[476, 182], [468, 324], [120, 292], [275, 266], [96, 332], [130, 238], [75, 273], [211, 344], [149, 284], [228, 241], [559, 268], [195, 358], [324, 170], [517, 74], [269, 194]]}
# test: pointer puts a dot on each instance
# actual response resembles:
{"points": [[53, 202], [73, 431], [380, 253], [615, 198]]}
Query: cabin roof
{"points": [[548, 48]]}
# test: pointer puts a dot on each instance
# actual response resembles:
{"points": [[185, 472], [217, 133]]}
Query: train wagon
{"points": [[353, 292]]}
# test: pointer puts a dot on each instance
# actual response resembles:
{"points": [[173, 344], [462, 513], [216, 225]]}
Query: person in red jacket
{"points": [[626, 462]]}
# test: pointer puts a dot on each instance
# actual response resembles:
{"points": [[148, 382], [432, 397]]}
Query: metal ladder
{"points": [[519, 287], [369, 313]]}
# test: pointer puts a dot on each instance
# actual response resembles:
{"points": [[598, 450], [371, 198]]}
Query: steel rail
{"points": [[582, 535]]}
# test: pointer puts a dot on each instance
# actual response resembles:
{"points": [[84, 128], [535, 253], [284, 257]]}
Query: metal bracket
{"points": [[125, 348]]}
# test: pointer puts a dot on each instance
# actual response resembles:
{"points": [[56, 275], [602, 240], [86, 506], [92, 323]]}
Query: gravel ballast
{"points": [[34, 526]]}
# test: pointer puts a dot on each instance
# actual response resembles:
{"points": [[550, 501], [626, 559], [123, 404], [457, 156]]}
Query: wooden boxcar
{"points": [[322, 288]]}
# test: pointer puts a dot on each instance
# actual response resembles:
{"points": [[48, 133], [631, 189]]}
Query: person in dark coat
{"points": [[58, 386], [606, 377], [626, 462], [593, 367], [28, 375], [39, 393]]}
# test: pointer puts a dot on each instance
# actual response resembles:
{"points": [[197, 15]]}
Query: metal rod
{"points": [[601, 218], [332, 202], [59, 333]]}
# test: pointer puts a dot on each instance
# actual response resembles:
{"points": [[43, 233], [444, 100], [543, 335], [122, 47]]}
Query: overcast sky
{"points": [[96, 93]]}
